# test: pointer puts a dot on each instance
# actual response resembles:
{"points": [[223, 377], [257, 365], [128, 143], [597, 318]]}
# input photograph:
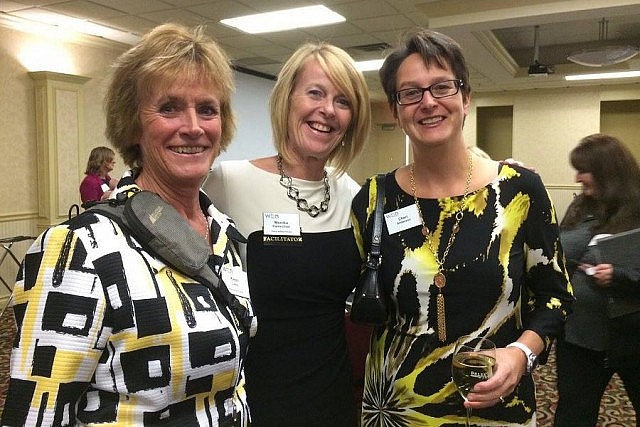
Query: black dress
{"points": [[298, 368], [298, 371]]}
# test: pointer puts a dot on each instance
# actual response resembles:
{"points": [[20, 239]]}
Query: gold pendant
{"points": [[439, 280], [442, 328]]}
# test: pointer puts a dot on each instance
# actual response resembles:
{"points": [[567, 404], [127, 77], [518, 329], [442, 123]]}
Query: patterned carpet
{"points": [[615, 410]]}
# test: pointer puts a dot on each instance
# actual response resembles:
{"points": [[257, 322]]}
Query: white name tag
{"points": [[281, 224], [402, 219], [236, 280], [104, 187]]}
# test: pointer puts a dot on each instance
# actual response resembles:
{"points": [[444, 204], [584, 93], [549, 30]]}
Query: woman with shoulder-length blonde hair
{"points": [[302, 261]]}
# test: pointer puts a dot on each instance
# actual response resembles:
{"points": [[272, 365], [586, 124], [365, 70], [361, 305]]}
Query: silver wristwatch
{"points": [[532, 358]]}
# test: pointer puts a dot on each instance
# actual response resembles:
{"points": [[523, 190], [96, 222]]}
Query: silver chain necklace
{"points": [[294, 194]]}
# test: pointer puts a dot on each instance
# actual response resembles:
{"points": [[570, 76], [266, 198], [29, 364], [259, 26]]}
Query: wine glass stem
{"points": [[468, 416]]}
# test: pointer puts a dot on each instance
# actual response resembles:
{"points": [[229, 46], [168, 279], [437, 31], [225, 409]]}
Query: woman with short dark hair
{"points": [[470, 247]]}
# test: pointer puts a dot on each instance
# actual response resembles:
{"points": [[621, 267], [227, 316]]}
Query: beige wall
{"points": [[385, 150], [622, 119], [495, 130], [19, 208]]}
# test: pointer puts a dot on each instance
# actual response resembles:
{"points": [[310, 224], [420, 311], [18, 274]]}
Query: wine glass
{"points": [[474, 359]]}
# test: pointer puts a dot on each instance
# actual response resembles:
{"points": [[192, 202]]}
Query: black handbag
{"points": [[369, 306]]}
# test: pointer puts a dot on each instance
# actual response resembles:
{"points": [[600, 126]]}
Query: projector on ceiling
{"points": [[537, 70]]}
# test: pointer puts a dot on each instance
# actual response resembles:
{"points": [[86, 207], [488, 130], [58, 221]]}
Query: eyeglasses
{"points": [[438, 90]]}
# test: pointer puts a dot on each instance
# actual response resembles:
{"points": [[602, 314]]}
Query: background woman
{"points": [[476, 252], [591, 351], [97, 184], [302, 260], [110, 333]]}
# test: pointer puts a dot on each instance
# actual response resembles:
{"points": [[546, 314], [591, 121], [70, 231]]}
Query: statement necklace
{"points": [[294, 194], [439, 279]]}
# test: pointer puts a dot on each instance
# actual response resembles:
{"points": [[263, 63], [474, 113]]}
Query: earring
{"points": [[342, 143]]}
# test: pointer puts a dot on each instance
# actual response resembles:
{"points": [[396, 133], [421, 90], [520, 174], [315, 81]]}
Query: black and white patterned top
{"points": [[111, 335], [505, 273]]}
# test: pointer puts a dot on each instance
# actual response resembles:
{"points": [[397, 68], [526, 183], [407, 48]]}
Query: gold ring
{"points": [[501, 399]]}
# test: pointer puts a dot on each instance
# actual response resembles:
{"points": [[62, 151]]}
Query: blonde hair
{"points": [[341, 70], [167, 53], [478, 151]]}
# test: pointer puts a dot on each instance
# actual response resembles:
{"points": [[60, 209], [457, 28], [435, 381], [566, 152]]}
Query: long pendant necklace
{"points": [[294, 194], [439, 279]]}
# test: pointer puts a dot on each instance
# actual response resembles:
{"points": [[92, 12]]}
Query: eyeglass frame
{"points": [[457, 83]]}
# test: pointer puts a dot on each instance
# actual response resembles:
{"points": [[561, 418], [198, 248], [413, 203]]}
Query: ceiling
{"points": [[496, 35]]}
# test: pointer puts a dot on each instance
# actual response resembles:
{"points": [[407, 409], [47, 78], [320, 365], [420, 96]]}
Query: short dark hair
{"points": [[433, 47]]}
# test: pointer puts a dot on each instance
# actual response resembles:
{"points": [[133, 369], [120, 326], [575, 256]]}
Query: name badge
{"points": [[402, 219], [281, 224], [236, 280]]}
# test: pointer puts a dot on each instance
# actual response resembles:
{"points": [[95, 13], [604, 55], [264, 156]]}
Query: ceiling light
{"points": [[36, 20], [287, 19], [603, 56], [606, 56], [371, 65], [596, 76]]}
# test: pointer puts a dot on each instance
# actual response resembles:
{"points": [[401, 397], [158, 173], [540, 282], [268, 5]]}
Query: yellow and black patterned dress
{"points": [[111, 335], [505, 270]]}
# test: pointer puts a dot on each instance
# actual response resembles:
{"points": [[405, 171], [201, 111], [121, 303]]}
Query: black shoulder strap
{"points": [[378, 214], [160, 229]]}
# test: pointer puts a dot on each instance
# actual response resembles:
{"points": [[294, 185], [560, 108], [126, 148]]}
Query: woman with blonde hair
{"points": [[302, 260]]}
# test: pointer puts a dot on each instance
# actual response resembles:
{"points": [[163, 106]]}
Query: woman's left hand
{"points": [[510, 366]]}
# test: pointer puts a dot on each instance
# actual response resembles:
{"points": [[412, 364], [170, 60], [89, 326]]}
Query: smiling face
{"points": [[319, 115], [430, 121], [180, 136]]}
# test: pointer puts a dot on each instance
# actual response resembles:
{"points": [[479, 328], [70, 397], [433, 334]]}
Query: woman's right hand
{"points": [[601, 273]]}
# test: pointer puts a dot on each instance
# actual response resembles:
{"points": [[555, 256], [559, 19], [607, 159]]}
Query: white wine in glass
{"points": [[474, 359]]}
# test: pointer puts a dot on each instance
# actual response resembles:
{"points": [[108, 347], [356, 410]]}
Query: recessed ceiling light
{"points": [[597, 76], [34, 20], [287, 19], [371, 65]]}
